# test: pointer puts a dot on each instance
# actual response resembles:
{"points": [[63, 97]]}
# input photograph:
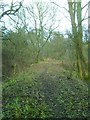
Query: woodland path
{"points": [[47, 82], [65, 96]]}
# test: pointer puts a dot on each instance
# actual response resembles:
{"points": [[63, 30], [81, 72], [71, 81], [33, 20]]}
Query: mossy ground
{"points": [[44, 91]]}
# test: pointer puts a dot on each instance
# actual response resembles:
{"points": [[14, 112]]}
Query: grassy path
{"points": [[64, 97], [44, 91]]}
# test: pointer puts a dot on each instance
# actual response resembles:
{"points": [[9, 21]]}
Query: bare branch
{"points": [[60, 6], [85, 15], [61, 12], [85, 18], [86, 5], [11, 11], [50, 32]]}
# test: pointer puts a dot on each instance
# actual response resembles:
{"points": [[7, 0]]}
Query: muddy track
{"points": [[62, 95]]}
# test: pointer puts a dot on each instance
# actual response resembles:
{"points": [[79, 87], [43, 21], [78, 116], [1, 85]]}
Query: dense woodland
{"points": [[44, 71]]}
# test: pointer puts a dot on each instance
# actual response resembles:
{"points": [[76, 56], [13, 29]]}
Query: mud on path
{"points": [[66, 97], [50, 84]]}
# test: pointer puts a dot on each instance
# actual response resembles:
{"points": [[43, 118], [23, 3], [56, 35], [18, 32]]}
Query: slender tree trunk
{"points": [[75, 11], [37, 56], [80, 42]]}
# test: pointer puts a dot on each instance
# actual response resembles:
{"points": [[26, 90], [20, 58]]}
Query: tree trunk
{"points": [[75, 11]]}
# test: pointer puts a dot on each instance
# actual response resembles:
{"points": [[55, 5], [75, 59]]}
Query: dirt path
{"points": [[66, 97], [48, 80]]}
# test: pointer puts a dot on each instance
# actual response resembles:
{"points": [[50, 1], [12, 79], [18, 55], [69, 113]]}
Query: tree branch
{"points": [[63, 8], [85, 15], [60, 6], [11, 11], [86, 5], [85, 18]]}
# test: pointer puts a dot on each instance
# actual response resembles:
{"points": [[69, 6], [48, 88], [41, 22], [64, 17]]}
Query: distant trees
{"points": [[56, 47], [13, 52], [41, 18], [34, 36]]}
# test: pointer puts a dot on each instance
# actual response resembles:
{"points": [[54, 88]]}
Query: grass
{"points": [[22, 97], [44, 91]]}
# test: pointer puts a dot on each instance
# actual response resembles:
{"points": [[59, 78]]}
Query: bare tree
{"points": [[75, 12], [41, 17]]}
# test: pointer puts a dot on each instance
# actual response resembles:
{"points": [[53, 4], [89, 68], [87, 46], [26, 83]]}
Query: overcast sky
{"points": [[64, 23]]}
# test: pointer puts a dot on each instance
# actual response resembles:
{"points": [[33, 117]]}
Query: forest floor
{"points": [[46, 91]]}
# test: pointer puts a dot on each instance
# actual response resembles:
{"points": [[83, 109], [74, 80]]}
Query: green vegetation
{"points": [[22, 97], [42, 92], [44, 71]]}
